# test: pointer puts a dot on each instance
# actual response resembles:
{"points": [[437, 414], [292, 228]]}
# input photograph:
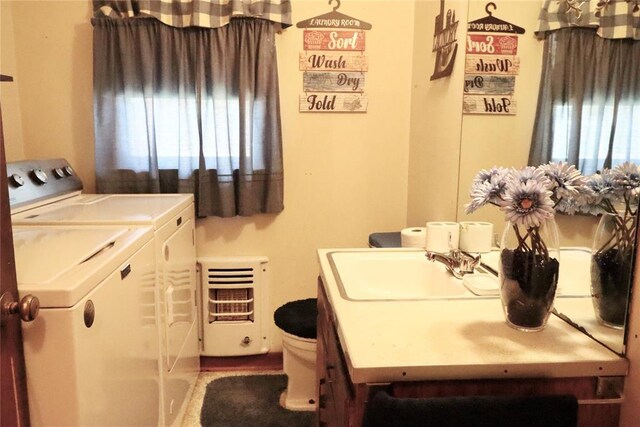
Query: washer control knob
{"points": [[16, 180], [68, 170], [39, 176], [58, 173]]}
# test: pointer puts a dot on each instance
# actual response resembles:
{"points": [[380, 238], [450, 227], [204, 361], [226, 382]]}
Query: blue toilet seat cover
{"points": [[298, 318]]}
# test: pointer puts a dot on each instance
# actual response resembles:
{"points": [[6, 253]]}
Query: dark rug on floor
{"points": [[251, 401]]}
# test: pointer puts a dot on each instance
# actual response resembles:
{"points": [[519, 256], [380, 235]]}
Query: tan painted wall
{"points": [[436, 114], [53, 49], [9, 96]]}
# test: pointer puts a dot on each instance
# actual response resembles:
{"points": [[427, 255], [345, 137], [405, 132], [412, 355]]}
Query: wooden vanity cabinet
{"points": [[342, 403]]}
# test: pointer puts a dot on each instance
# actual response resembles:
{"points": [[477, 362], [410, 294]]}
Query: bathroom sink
{"points": [[380, 275]]}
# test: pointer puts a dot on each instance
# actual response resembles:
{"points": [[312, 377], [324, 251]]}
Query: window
{"points": [[176, 143], [589, 101], [598, 134], [166, 98]]}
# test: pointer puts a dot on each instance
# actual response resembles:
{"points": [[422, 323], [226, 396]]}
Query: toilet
{"points": [[297, 322]]}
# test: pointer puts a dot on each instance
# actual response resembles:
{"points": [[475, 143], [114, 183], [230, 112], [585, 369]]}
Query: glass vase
{"points": [[612, 267], [528, 273]]}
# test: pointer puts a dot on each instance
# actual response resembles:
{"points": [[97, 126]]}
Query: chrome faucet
{"points": [[458, 263]]}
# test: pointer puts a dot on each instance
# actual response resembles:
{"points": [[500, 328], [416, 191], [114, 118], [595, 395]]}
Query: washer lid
{"points": [[152, 209], [60, 265]]}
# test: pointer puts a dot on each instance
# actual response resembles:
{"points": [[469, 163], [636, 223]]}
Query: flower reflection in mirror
{"points": [[614, 193]]}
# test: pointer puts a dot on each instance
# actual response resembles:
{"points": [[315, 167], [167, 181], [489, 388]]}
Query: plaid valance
{"points": [[614, 19], [195, 13]]}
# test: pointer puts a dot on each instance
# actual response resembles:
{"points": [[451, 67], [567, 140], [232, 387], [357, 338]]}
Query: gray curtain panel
{"points": [[588, 111], [189, 110]]}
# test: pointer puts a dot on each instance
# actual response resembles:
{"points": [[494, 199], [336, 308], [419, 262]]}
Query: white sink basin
{"points": [[405, 275], [380, 275]]}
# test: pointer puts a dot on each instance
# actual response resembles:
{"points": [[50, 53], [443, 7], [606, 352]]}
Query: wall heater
{"points": [[234, 307]]}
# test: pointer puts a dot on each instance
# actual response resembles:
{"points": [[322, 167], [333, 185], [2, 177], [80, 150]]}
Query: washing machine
{"points": [[91, 352], [172, 219]]}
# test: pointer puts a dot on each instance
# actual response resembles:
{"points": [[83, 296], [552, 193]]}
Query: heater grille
{"points": [[227, 301], [231, 305], [234, 309]]}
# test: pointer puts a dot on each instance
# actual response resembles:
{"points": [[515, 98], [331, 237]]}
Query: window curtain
{"points": [[189, 110], [588, 105]]}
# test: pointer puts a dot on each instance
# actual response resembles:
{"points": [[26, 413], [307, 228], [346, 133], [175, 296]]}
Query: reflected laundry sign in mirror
{"points": [[445, 43], [491, 65]]}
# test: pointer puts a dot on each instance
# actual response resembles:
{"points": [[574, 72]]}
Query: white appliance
{"points": [[171, 217], [91, 353]]}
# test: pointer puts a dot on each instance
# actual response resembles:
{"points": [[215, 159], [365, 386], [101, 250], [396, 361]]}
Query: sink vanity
{"points": [[416, 331]]}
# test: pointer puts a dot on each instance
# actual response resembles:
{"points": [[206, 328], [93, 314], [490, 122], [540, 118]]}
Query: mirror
{"points": [[488, 140]]}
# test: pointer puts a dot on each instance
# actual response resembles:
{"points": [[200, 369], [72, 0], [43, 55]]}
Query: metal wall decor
{"points": [[445, 43], [333, 63], [491, 65]]}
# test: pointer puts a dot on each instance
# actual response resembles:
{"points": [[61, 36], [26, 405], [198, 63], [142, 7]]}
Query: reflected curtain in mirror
{"points": [[189, 110], [588, 110], [612, 19]]}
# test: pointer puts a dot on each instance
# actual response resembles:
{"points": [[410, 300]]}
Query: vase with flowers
{"points": [[613, 193]]}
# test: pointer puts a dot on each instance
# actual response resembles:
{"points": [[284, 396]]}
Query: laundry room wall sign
{"points": [[333, 63], [491, 65]]}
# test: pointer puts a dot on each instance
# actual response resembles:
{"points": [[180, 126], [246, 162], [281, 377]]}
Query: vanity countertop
{"points": [[387, 341]]}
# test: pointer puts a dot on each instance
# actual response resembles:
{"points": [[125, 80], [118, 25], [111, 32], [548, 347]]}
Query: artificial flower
{"points": [[565, 180], [627, 176], [527, 203], [528, 173], [488, 188]]}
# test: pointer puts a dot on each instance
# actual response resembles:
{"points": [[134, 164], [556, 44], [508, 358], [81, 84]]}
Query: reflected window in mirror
{"points": [[589, 101]]}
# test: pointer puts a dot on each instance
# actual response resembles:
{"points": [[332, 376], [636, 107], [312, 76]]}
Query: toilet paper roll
{"points": [[442, 236], [413, 237], [476, 236]]}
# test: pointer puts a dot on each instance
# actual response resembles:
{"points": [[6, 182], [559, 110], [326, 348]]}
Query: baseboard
{"points": [[258, 362]]}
